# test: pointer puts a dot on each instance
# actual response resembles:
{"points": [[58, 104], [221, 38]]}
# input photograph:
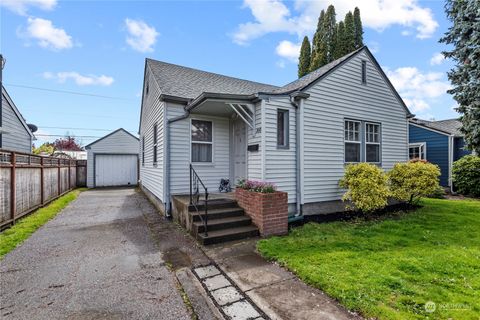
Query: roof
{"points": [[449, 126], [16, 111], [110, 134], [185, 82]]}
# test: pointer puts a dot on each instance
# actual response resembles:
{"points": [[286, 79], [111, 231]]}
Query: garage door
{"points": [[115, 170]]}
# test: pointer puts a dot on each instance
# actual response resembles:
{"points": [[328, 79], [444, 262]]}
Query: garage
{"points": [[112, 160]]}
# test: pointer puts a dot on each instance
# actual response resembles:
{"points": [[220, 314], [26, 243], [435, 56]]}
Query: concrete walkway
{"points": [[103, 257]]}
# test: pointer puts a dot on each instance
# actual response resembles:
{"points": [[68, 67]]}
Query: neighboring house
{"points": [[113, 160], [15, 134], [78, 155], [438, 142], [299, 136]]}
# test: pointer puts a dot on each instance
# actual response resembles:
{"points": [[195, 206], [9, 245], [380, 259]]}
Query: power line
{"points": [[63, 136], [91, 129], [70, 92]]}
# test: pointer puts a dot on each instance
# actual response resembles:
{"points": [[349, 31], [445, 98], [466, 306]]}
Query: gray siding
{"points": [[17, 138], [152, 175], [338, 96], [254, 158], [210, 173], [120, 142]]}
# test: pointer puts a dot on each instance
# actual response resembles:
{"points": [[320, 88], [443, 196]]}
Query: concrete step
{"points": [[223, 223], [218, 213], [214, 204], [229, 234]]}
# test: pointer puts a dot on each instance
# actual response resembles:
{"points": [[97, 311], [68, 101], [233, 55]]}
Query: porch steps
{"points": [[226, 222]]}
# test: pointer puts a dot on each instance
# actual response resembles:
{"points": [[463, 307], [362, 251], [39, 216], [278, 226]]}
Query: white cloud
{"points": [[275, 16], [21, 6], [47, 35], [281, 64], [418, 90], [288, 50], [374, 46], [81, 80], [437, 59], [141, 37]]}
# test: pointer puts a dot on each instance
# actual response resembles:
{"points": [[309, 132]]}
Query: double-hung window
{"points": [[416, 151], [155, 127], [202, 140], [282, 129], [353, 141], [372, 142]]}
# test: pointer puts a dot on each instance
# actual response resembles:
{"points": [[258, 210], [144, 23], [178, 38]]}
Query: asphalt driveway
{"points": [[98, 259]]}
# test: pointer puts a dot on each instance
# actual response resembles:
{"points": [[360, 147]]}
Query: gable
{"points": [[10, 112], [119, 141]]}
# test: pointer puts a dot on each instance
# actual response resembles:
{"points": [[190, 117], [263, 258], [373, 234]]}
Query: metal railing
{"points": [[195, 184]]}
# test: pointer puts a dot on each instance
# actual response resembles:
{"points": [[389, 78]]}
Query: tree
{"points": [[318, 56], [68, 143], [358, 35], [464, 35], [340, 48], [349, 33], [46, 148], [305, 57], [330, 31]]}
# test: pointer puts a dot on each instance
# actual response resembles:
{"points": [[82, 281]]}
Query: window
{"points": [[202, 141], [364, 72], [372, 142], [155, 144], [417, 151], [352, 141], [143, 150], [282, 129]]}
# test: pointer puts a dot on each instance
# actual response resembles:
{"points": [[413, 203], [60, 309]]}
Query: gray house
{"points": [[15, 134], [299, 136]]}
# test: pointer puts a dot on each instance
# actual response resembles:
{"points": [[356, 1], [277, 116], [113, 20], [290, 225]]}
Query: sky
{"points": [[76, 67]]}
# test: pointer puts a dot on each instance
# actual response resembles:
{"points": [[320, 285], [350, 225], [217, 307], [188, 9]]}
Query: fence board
{"points": [[5, 194], [50, 183], [27, 189]]}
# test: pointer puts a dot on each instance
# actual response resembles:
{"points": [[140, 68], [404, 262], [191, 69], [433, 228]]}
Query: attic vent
{"points": [[146, 89], [364, 72]]}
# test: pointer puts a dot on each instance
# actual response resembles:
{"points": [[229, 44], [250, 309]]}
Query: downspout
{"points": [[451, 150], [298, 155]]}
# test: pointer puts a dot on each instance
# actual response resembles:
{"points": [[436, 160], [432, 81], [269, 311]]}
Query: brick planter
{"points": [[269, 211]]}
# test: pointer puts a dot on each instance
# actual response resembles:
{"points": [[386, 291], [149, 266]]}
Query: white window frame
{"points": [[202, 142], [345, 141], [420, 145], [155, 145], [379, 143], [286, 129]]}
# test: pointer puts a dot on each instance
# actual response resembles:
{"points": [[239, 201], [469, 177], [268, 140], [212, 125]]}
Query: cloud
{"points": [[81, 80], [46, 34], [418, 90], [21, 6], [275, 16], [288, 50], [141, 37], [437, 59]]}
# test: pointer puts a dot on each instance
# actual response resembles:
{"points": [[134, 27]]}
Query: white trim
{"points": [[301, 146], [203, 163], [263, 137], [352, 141], [374, 143], [420, 145], [428, 128]]}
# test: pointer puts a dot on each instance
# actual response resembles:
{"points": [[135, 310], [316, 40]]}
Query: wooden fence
{"points": [[28, 182]]}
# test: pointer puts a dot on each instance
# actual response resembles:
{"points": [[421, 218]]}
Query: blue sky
{"points": [[98, 48]]}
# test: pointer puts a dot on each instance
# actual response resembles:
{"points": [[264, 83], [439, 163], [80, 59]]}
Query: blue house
{"points": [[438, 142]]}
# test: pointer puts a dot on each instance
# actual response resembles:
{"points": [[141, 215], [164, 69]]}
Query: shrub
{"points": [[257, 186], [412, 180], [466, 175], [366, 186]]}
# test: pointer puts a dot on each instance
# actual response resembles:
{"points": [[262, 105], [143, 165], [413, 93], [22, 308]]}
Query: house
{"points": [[15, 133], [113, 160], [438, 142], [299, 136]]}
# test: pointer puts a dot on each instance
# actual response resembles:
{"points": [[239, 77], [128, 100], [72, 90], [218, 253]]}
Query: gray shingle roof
{"points": [[450, 126], [179, 81]]}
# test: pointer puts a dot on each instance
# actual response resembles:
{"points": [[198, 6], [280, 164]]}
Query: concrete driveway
{"points": [[98, 259]]}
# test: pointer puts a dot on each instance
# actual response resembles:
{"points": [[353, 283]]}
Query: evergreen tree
{"points": [[464, 36], [318, 53], [305, 57], [357, 21], [340, 49], [349, 33], [329, 38]]}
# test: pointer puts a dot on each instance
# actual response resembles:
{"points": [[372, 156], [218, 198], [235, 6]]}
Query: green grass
{"points": [[389, 269], [14, 236]]}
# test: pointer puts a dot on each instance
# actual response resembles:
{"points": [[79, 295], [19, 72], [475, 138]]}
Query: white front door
{"points": [[115, 170], [240, 150]]}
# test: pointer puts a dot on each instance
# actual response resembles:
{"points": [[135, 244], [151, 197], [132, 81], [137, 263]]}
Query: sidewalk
{"points": [[277, 292]]}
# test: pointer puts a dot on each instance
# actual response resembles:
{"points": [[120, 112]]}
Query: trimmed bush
{"points": [[366, 186], [466, 175], [414, 179]]}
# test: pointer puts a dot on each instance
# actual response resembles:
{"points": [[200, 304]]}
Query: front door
{"points": [[239, 150]]}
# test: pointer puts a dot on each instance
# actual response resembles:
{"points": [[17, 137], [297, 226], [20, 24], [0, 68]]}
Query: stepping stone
{"points": [[216, 282], [241, 310], [207, 272], [226, 295]]}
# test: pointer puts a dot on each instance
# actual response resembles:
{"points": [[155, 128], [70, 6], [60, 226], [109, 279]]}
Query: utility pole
{"points": [[2, 64]]}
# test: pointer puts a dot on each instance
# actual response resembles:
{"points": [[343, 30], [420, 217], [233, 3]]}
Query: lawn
{"points": [[14, 236], [390, 268]]}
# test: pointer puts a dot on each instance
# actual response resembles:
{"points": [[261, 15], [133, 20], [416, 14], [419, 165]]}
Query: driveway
{"points": [[103, 257]]}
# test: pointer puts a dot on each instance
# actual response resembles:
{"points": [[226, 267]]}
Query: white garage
{"points": [[113, 160]]}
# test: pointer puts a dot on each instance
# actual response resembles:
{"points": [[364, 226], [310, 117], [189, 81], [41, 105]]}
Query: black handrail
{"points": [[195, 183]]}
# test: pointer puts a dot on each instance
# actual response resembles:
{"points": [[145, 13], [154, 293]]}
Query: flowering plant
{"points": [[256, 186]]}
